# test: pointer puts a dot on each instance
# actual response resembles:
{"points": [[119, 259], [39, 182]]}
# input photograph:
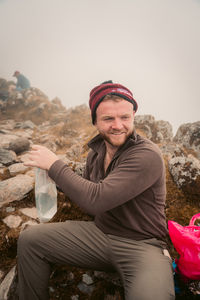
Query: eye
{"points": [[108, 119], [125, 117]]}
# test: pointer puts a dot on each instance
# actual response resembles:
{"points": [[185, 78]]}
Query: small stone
{"points": [[12, 221], [70, 276], [84, 288], [51, 289], [30, 212], [87, 279], [10, 209], [75, 297]]}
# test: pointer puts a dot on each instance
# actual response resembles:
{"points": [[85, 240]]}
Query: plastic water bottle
{"points": [[45, 195]]}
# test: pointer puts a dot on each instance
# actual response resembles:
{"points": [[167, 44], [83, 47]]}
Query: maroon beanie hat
{"points": [[109, 88]]}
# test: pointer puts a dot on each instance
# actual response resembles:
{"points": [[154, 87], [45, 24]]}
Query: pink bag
{"points": [[186, 240]]}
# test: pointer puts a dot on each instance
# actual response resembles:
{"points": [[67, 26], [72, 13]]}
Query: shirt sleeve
{"points": [[135, 173]]}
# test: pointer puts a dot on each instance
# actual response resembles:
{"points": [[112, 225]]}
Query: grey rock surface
{"points": [[19, 145], [7, 157], [15, 188]]}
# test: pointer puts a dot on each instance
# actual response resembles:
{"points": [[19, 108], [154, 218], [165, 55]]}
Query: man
{"points": [[124, 188], [22, 81]]}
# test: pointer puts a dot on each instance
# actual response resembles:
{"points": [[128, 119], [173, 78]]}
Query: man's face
{"points": [[114, 121]]}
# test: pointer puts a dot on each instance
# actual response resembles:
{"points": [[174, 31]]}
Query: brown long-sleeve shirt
{"points": [[129, 199]]}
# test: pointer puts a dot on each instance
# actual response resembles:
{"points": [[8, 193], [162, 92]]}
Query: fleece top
{"points": [[129, 199]]}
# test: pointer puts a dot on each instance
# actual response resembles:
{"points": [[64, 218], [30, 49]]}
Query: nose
{"points": [[117, 124]]}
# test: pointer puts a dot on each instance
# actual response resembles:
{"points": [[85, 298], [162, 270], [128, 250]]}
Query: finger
{"points": [[36, 147], [33, 153], [29, 163]]}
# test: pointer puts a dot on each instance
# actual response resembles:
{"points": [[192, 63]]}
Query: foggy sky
{"points": [[66, 47]]}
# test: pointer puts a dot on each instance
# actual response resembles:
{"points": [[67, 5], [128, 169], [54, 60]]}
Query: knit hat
{"points": [[98, 93]]}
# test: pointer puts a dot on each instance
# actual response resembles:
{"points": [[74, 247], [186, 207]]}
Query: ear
{"points": [[133, 114]]}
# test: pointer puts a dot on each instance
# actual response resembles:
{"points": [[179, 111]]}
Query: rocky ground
{"points": [[29, 117]]}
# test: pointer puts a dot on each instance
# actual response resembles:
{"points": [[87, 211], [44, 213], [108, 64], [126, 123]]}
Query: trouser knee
{"points": [[27, 240]]}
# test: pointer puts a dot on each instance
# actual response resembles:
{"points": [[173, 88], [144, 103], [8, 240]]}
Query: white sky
{"points": [[66, 47]]}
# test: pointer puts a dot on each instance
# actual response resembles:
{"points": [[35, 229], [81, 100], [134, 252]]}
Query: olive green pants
{"points": [[144, 267]]}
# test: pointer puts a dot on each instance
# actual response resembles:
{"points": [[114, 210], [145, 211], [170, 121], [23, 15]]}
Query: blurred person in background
{"points": [[22, 82]]}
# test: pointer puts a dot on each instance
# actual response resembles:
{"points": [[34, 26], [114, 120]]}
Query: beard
{"points": [[116, 138]]}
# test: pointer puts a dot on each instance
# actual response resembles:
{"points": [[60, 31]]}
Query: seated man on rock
{"points": [[124, 189]]}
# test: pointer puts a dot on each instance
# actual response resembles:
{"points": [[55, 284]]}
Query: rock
{"points": [[74, 151], [25, 125], [75, 297], [12, 221], [5, 139], [8, 284], [171, 149], [1, 275], [145, 123], [7, 157], [30, 212], [185, 171], [164, 131], [87, 279], [23, 157], [15, 188], [84, 288], [50, 145], [18, 168], [70, 276], [31, 173], [19, 96], [51, 290], [189, 136], [7, 125], [79, 168], [157, 131], [57, 103], [19, 145], [3, 84], [4, 173], [10, 209], [141, 119]]}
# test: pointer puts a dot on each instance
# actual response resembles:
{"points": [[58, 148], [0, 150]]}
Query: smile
{"points": [[119, 133]]}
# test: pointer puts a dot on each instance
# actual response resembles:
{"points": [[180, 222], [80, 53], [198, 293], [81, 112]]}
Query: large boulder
{"points": [[6, 138], [15, 188], [164, 131], [19, 145], [157, 131], [189, 136], [185, 171]]}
